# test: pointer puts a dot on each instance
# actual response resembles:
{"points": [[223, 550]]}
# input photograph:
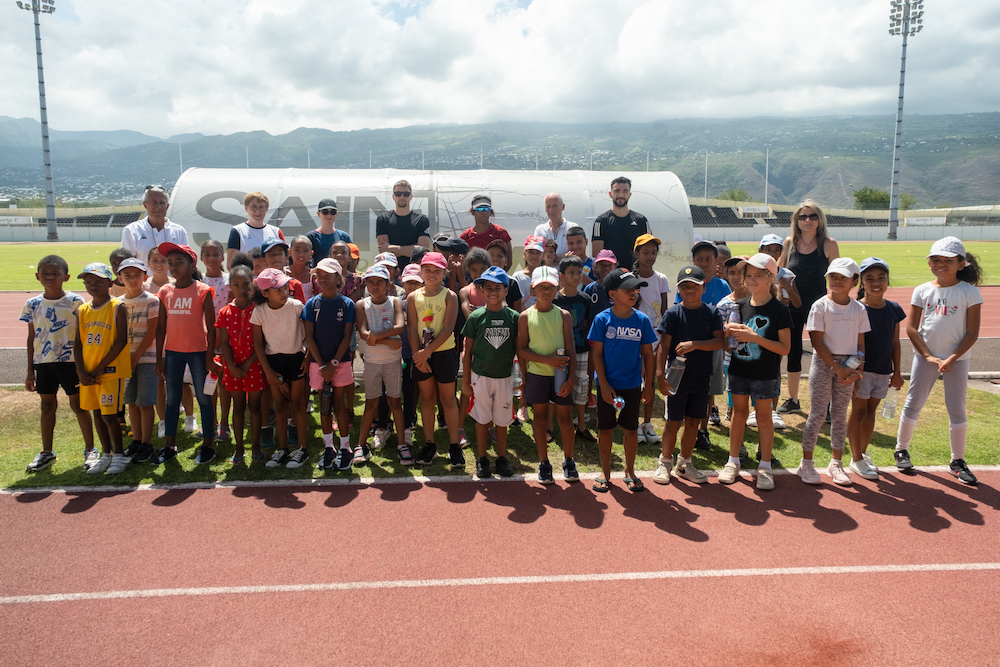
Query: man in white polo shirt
{"points": [[557, 226], [143, 235]]}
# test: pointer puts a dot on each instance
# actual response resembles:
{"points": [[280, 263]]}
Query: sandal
{"points": [[237, 459], [601, 485], [634, 484], [259, 457]]}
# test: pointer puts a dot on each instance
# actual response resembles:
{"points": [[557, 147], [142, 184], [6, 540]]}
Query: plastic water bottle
{"points": [[618, 403], [561, 374], [734, 318], [326, 399], [854, 361], [516, 377], [211, 380], [675, 372], [890, 403]]}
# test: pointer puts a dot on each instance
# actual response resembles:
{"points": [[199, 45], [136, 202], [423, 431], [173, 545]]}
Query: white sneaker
{"points": [[807, 472], [379, 439], [765, 479], [663, 466], [101, 465], [190, 424], [118, 465], [463, 440], [90, 457], [729, 473], [752, 420], [161, 430], [867, 459], [862, 468], [838, 474], [652, 437], [640, 435], [686, 470], [779, 423]]}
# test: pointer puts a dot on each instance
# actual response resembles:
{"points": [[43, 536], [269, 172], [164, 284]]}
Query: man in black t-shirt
{"points": [[399, 230], [618, 228]]}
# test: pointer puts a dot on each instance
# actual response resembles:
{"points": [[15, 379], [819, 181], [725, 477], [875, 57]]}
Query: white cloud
{"points": [[238, 65]]}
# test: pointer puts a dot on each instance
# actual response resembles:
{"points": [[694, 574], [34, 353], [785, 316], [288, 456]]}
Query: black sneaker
{"points": [[713, 418], [427, 454], [502, 466], [483, 468], [277, 459], [163, 455], [131, 450], [745, 456], [545, 473], [298, 457], [790, 405], [569, 470], [457, 458], [775, 463], [702, 442], [586, 435], [441, 421], [516, 423], [44, 459], [329, 456], [205, 454], [345, 459], [960, 470], [143, 453], [828, 420], [270, 416], [293, 435], [903, 460], [267, 437]]}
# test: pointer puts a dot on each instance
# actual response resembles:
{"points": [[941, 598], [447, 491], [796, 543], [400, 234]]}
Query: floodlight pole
{"points": [[902, 15], [36, 8]]}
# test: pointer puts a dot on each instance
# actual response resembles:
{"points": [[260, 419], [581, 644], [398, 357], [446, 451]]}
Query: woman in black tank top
{"points": [[807, 253]]}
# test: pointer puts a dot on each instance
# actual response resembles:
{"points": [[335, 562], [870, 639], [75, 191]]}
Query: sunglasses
{"points": [[483, 209], [811, 216], [328, 211], [402, 194]]}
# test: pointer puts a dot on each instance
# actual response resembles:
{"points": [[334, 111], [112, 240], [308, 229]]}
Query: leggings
{"points": [[923, 375], [824, 386], [173, 368], [795, 353]]}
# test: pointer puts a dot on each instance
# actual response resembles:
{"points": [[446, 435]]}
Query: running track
{"points": [[920, 588]]}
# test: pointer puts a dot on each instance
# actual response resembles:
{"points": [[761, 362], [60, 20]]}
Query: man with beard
{"points": [[401, 230], [618, 228]]}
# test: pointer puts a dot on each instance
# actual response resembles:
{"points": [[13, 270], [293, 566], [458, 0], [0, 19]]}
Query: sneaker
{"points": [[702, 442], [807, 471], [205, 454], [190, 424], [101, 465], [903, 459], [745, 455], [144, 453], [502, 466], [729, 473], [790, 405], [569, 470], [278, 458], [222, 434], [867, 459], [456, 458], [271, 415], [838, 474], [163, 455], [345, 459], [663, 466], [427, 454], [118, 465], [586, 435], [545, 473], [293, 435], [779, 423], [752, 419], [591, 402], [463, 441], [483, 468], [329, 456], [361, 455], [962, 472], [405, 455], [379, 439], [161, 430], [491, 434], [713, 418], [90, 457], [652, 437], [686, 470], [297, 458], [641, 435], [862, 468], [765, 479], [267, 437], [408, 437], [827, 419], [42, 461], [131, 450]]}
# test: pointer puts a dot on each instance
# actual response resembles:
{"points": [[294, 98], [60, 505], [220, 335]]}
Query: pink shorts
{"points": [[343, 377]]}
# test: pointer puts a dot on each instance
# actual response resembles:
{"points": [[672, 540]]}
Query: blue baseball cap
{"points": [[377, 271], [494, 274], [869, 262], [267, 245]]}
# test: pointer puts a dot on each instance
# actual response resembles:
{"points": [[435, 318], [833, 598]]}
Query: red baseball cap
{"points": [[165, 248]]}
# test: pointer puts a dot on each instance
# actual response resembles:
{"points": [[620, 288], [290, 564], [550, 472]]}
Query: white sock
{"points": [[735, 460], [764, 465], [328, 439], [905, 434], [345, 442], [957, 435]]}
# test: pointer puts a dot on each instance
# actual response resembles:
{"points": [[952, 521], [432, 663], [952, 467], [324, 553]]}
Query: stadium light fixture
{"points": [[36, 8], [906, 18]]}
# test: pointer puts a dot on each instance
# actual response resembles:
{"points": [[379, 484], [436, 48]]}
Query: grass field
{"points": [[906, 260], [19, 444]]}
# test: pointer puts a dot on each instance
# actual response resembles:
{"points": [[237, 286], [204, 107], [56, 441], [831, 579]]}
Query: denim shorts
{"points": [[761, 390], [141, 388]]}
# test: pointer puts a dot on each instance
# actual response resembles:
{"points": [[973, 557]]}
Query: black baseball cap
{"points": [[452, 244], [702, 245], [623, 279], [327, 203], [691, 274]]}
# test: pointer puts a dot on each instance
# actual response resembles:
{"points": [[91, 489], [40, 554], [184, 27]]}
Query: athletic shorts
{"points": [[628, 418], [49, 377], [105, 396], [444, 367], [342, 377], [540, 389], [492, 400], [141, 388], [761, 390], [390, 374], [872, 385], [581, 379], [692, 403], [717, 386], [255, 379], [288, 366]]}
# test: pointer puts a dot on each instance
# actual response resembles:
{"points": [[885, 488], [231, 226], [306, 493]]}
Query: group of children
{"points": [[282, 324]]}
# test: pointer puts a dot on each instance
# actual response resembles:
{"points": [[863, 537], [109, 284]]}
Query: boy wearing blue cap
{"points": [[490, 346]]}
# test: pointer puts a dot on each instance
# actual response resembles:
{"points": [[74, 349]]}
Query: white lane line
{"points": [[501, 581]]}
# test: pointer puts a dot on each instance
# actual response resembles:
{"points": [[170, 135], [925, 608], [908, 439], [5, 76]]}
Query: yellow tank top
{"points": [[430, 313], [97, 335], [545, 334]]}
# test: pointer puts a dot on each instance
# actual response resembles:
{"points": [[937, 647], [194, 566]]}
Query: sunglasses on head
{"points": [[483, 209], [328, 211], [811, 216], [402, 194]]}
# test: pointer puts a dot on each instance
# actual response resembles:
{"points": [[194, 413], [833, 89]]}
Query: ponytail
{"points": [[972, 272]]}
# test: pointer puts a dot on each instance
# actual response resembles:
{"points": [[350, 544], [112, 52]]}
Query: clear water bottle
{"points": [[618, 403], [890, 403], [517, 379], [734, 318], [675, 372], [854, 361], [562, 374]]}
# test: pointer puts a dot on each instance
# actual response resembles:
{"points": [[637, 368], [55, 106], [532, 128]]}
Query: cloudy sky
{"points": [[225, 66]]}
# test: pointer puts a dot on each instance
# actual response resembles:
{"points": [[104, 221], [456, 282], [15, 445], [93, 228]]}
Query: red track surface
{"points": [[64, 543]]}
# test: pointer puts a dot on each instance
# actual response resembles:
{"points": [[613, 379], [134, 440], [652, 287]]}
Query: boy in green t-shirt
{"points": [[490, 345]]}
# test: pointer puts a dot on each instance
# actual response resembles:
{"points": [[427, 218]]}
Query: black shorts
{"points": [[628, 418], [288, 366], [49, 377], [692, 403], [541, 389], [444, 367]]}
